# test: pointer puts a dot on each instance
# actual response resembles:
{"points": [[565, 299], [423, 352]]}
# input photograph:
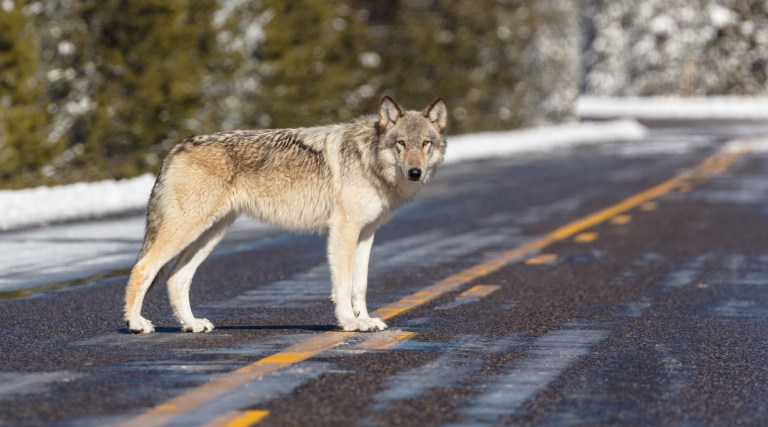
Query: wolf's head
{"points": [[412, 143]]}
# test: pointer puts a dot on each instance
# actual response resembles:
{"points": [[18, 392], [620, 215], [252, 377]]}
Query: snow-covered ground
{"points": [[544, 139], [42, 205], [716, 107]]}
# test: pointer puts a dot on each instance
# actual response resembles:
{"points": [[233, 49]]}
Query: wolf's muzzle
{"points": [[414, 174]]}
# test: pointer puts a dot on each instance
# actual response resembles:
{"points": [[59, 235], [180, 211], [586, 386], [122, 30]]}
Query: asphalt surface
{"points": [[656, 314]]}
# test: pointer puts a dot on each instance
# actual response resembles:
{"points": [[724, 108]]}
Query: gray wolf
{"points": [[344, 179]]}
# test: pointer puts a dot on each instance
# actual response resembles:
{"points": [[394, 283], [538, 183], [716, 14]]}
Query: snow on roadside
{"points": [[42, 205], [716, 107], [496, 144]]}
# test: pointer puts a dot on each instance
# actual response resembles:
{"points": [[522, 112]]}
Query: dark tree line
{"points": [[93, 89]]}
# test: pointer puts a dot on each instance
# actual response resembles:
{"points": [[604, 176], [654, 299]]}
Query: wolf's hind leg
{"points": [[180, 278], [360, 279], [142, 275], [171, 238]]}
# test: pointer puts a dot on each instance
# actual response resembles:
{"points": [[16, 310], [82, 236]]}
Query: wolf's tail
{"points": [[154, 216], [154, 220]]}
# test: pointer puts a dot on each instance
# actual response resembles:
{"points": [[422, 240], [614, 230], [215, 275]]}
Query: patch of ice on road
{"points": [[71, 251], [66, 252], [15, 383], [550, 355], [654, 146], [755, 145]]}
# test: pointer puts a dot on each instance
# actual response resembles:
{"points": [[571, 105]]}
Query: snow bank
{"points": [[495, 144], [716, 107], [41, 205], [22, 208]]}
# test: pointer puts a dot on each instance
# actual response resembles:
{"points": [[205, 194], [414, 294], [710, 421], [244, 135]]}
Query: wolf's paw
{"points": [[140, 325], [375, 324], [363, 325], [197, 325]]}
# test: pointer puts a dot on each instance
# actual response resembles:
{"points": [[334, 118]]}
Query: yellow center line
{"points": [[224, 383], [586, 237], [385, 340], [649, 206], [621, 219], [479, 291], [542, 259], [239, 419]]}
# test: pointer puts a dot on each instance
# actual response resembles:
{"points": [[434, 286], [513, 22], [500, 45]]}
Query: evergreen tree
{"points": [[328, 61], [150, 60], [676, 47], [314, 67], [233, 86], [124, 80], [493, 60], [734, 59], [24, 149]]}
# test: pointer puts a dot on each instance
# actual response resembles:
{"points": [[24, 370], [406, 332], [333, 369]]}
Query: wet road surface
{"points": [[620, 284]]}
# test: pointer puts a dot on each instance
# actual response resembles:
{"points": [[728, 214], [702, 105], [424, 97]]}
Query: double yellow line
{"points": [[222, 384]]}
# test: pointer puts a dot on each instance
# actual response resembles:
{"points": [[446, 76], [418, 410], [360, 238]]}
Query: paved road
{"points": [[621, 284]]}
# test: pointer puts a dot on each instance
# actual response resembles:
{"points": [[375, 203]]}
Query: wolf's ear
{"points": [[389, 111], [437, 113]]}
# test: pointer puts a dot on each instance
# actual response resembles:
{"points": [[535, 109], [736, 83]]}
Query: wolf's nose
{"points": [[414, 174]]}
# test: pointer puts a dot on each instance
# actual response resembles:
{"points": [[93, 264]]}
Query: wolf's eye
{"points": [[426, 143], [400, 145]]}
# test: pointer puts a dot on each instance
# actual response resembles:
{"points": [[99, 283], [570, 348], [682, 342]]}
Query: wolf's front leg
{"points": [[360, 279], [342, 244]]}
